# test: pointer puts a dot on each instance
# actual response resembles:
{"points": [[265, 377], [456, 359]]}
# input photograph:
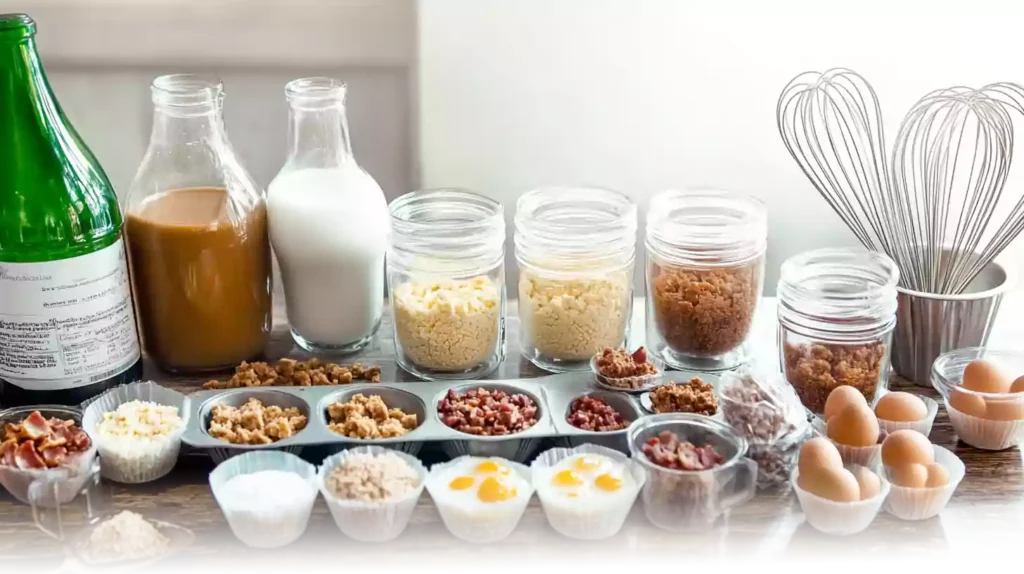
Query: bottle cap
{"points": [[17, 22]]}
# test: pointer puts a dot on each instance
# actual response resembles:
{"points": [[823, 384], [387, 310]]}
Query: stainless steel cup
{"points": [[929, 324]]}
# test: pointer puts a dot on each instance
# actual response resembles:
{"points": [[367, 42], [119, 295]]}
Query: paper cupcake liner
{"points": [[869, 456], [133, 461], [476, 527], [839, 518], [580, 518], [923, 503], [923, 426], [256, 529], [371, 521], [984, 433], [68, 480]]}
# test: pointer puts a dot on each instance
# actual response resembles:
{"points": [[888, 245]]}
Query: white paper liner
{"points": [[869, 456], [923, 426], [371, 521], [477, 527], [252, 527], [839, 518], [984, 433], [582, 519], [68, 480], [134, 461], [923, 503]]}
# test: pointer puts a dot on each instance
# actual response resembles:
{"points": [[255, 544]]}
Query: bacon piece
{"points": [[7, 449], [54, 439], [54, 456], [27, 458], [80, 439], [35, 426], [12, 431]]}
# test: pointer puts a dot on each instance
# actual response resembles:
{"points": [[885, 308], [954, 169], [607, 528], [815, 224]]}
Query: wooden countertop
{"points": [[990, 500]]}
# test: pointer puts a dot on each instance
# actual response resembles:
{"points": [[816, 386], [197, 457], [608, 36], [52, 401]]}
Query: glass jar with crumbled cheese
{"points": [[575, 248], [446, 278]]}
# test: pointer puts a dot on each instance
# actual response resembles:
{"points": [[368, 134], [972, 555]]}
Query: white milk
{"points": [[328, 228]]}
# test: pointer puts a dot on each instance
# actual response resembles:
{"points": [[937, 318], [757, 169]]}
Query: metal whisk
{"points": [[938, 209], [950, 163]]}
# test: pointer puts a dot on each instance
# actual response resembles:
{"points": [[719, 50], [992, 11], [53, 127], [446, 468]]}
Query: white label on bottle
{"points": [[67, 323]]}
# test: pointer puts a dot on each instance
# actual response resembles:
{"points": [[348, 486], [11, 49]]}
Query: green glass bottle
{"points": [[67, 322]]}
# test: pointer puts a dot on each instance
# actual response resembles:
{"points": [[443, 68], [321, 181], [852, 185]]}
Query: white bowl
{"points": [[257, 524], [586, 518], [371, 521], [131, 460]]}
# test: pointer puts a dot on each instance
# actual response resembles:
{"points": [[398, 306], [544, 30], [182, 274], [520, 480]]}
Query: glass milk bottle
{"points": [[328, 226]]}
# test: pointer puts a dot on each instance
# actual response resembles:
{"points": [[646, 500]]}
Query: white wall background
{"points": [[643, 95], [505, 95], [102, 55]]}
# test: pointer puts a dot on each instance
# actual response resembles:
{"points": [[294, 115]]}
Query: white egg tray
{"points": [[553, 396]]}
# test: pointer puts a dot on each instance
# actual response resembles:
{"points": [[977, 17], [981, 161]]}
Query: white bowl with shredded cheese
{"points": [[137, 430]]}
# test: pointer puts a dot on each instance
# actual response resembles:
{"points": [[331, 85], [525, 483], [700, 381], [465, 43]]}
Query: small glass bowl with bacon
{"points": [[45, 442]]}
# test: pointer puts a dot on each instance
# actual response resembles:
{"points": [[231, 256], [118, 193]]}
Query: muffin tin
{"points": [[553, 395]]}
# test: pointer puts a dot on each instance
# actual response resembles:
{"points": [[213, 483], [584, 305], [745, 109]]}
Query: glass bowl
{"points": [[679, 500], [988, 421]]}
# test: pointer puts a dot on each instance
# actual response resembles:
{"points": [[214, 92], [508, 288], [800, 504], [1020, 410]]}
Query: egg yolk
{"points": [[586, 463], [566, 478], [491, 467], [492, 490], [608, 482], [461, 483]]}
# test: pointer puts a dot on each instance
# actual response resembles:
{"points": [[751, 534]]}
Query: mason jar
{"points": [[575, 248], [705, 270], [837, 312], [446, 279]]}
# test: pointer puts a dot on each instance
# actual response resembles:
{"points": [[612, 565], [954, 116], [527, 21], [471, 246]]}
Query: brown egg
{"points": [[870, 484], [1004, 409], [1018, 385], [907, 447], [837, 484], [937, 475], [901, 407], [908, 475], [967, 403], [985, 377], [818, 453], [840, 398], [856, 425]]}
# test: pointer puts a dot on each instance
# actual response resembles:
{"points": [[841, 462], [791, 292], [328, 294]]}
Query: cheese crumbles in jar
{"points": [[576, 249], [446, 276]]}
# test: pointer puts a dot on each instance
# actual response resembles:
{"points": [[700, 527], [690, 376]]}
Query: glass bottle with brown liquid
{"points": [[197, 237]]}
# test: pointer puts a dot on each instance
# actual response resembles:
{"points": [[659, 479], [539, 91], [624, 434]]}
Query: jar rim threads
{"points": [[458, 229], [567, 228], [706, 227], [840, 291]]}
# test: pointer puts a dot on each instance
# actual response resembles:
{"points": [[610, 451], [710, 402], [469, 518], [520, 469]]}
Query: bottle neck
{"points": [[23, 80], [318, 137], [203, 127]]}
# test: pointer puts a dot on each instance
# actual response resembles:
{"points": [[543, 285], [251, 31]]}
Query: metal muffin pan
{"points": [[553, 396]]}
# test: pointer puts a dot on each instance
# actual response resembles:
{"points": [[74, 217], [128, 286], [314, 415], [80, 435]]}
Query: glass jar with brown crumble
{"points": [[837, 312], [705, 270]]}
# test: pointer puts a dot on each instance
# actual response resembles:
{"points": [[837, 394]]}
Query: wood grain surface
{"points": [[990, 498]]}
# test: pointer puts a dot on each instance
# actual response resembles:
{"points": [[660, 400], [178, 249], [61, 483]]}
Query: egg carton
{"points": [[553, 396]]}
